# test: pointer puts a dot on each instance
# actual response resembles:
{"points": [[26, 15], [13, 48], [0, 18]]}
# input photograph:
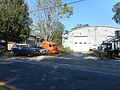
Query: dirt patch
{"points": [[38, 58]]}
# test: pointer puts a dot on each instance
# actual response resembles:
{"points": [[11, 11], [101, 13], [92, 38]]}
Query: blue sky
{"points": [[92, 12]]}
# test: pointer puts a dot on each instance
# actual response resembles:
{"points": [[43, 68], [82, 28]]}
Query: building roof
{"points": [[96, 27]]}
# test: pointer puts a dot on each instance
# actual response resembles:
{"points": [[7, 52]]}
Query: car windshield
{"points": [[54, 45], [1, 46], [21, 46], [40, 47]]}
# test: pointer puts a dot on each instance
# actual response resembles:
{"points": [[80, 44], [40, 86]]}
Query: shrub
{"points": [[7, 53], [65, 51]]}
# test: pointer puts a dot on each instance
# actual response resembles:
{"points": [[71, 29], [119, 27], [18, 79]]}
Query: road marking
{"points": [[4, 85], [100, 72]]}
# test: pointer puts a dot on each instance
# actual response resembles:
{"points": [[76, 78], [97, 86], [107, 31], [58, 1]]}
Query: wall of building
{"points": [[85, 38]]}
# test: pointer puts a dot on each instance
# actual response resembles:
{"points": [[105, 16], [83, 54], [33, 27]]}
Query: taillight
{"points": [[118, 53]]}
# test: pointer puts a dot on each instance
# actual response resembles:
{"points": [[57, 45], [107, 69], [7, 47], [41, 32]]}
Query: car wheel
{"points": [[30, 55], [110, 55], [15, 54]]}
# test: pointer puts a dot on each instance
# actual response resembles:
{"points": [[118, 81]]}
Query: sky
{"points": [[92, 12]]}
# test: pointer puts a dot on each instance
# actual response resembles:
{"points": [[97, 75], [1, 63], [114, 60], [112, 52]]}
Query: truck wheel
{"points": [[110, 55]]}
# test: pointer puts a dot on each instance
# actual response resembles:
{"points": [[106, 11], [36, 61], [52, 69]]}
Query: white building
{"points": [[85, 38]]}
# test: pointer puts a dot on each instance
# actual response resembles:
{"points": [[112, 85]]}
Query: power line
{"points": [[57, 6], [75, 2]]}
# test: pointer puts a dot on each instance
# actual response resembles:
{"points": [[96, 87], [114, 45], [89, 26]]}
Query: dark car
{"points": [[2, 47], [42, 50], [25, 49]]}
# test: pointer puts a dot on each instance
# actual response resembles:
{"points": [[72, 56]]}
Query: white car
{"points": [[43, 51]]}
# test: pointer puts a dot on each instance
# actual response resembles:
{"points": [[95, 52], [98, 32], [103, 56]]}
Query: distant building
{"points": [[85, 38], [34, 38]]}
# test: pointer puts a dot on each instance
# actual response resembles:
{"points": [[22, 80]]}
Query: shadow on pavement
{"points": [[41, 76], [55, 74]]}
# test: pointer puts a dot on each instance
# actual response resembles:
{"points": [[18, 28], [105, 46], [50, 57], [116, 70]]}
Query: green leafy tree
{"points": [[14, 20], [57, 34], [66, 32], [49, 16], [80, 25], [116, 10]]}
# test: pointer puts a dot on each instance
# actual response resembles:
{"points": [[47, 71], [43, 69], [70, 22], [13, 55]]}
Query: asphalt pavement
{"points": [[59, 73]]}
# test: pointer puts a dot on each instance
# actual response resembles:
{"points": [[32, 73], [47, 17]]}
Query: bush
{"points": [[1, 53], [65, 51], [8, 54], [99, 55]]}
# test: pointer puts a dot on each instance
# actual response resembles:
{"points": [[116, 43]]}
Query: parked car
{"points": [[2, 47], [43, 51], [25, 49]]}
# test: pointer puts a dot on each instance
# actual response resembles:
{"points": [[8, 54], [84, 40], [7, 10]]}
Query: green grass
{"points": [[7, 53], [99, 55], [65, 51], [1, 53]]}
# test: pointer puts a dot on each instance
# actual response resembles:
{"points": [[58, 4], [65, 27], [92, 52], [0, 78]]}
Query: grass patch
{"points": [[7, 54], [1, 53], [65, 51], [99, 55]]}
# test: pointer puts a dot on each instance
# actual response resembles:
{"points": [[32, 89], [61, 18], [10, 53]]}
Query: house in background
{"points": [[86, 38], [34, 38]]}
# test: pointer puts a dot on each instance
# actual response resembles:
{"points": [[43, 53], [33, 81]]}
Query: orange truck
{"points": [[52, 47]]}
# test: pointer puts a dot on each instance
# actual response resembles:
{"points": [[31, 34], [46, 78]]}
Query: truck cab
{"points": [[52, 47], [111, 49]]}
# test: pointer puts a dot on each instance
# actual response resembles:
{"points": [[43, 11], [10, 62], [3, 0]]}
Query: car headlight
{"points": [[40, 50], [33, 50]]}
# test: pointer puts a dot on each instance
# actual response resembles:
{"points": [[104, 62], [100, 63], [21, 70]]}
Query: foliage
{"points": [[49, 16], [57, 34], [14, 20], [66, 31], [116, 10], [79, 26], [1, 53], [65, 51], [6, 54]]}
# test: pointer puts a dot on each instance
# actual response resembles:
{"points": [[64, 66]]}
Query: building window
{"points": [[80, 36], [84, 42], [75, 42], [80, 42], [80, 33], [50, 45], [65, 38], [105, 30]]}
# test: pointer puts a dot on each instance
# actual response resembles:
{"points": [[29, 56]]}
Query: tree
{"points": [[80, 25], [14, 20], [116, 10], [66, 32], [49, 15], [57, 34]]}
